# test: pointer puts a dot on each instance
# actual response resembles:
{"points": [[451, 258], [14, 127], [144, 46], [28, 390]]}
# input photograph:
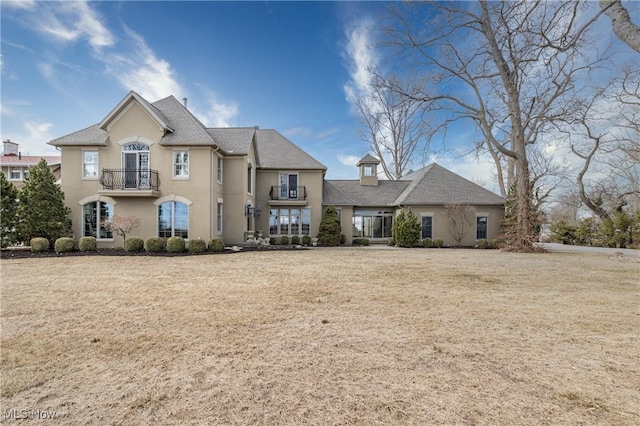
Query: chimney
{"points": [[184, 101], [9, 148]]}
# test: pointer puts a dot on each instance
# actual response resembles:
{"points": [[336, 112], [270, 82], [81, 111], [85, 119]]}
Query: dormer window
{"points": [[369, 170]]}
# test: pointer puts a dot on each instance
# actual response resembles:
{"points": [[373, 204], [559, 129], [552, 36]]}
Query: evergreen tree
{"points": [[330, 229], [406, 229], [42, 210], [8, 212]]}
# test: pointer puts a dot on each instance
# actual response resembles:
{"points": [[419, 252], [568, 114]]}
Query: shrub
{"points": [[154, 245], [272, 241], [197, 246], [64, 245], [39, 245], [391, 242], [494, 244], [284, 240], [427, 243], [482, 243], [343, 239], [438, 243], [330, 228], [175, 245], [406, 229], [87, 244], [306, 240], [295, 240], [216, 245], [563, 232], [134, 244], [360, 242]]}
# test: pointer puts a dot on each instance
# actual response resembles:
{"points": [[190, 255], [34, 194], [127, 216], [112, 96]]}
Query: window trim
{"points": [[427, 214], [303, 213], [250, 178], [20, 171], [366, 167], [185, 164], [84, 164], [220, 171], [99, 220], [486, 228], [220, 217]]}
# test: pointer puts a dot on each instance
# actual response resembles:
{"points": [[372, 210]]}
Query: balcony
{"points": [[288, 195], [130, 182]]}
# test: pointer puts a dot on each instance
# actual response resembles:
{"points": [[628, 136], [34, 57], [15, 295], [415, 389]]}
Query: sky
{"points": [[290, 66]]}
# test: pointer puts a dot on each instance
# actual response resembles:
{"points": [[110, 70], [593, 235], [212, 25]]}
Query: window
{"points": [[181, 164], [372, 224], [369, 170], [173, 220], [288, 186], [481, 228], [220, 169], [135, 162], [220, 218], [250, 178], [93, 217], [15, 173], [289, 221], [90, 164], [427, 227]]}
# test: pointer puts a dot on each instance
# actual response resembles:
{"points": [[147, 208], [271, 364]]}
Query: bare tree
{"points": [[121, 225], [509, 67], [621, 22], [460, 217], [392, 126]]}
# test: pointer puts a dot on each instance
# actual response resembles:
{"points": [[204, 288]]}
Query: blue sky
{"points": [[281, 65]]}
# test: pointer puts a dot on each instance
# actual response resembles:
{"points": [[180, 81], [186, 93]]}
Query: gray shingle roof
{"points": [[233, 140], [431, 185], [92, 135], [277, 152], [187, 129], [368, 159]]}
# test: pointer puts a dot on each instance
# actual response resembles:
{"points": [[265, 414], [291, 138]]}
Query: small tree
{"points": [[121, 225], [8, 212], [330, 229], [406, 229], [42, 211], [460, 221]]}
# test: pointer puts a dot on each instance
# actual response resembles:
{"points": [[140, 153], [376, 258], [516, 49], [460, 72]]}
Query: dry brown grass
{"points": [[328, 336]]}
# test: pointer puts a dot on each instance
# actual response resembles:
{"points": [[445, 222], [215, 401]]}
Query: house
{"points": [[157, 162], [15, 166]]}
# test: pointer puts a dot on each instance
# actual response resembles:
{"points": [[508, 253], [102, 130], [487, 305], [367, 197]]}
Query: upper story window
{"points": [[90, 164], [15, 173], [220, 169], [250, 178], [181, 164]]}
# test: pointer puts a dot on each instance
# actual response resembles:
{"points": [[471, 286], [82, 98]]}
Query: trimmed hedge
{"points": [[482, 243], [197, 246], [427, 243], [134, 244], [64, 245], [154, 245], [295, 240], [216, 245], [87, 244], [284, 240], [360, 241], [39, 245], [306, 240], [438, 243], [175, 245]]}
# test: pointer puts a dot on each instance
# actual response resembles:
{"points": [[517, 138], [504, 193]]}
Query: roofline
{"points": [[143, 102]]}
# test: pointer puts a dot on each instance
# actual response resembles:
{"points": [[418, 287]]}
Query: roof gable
{"points": [[125, 103], [277, 152]]}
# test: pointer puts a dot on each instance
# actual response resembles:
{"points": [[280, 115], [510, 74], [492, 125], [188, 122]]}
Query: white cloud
{"points": [[361, 58], [19, 4], [297, 132], [348, 160]]}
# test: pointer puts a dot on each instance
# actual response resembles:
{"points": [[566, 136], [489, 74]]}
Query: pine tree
{"points": [[42, 210], [8, 212], [330, 229], [406, 229]]}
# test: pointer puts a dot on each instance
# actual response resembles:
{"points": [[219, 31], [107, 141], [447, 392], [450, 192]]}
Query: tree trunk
{"points": [[621, 22]]}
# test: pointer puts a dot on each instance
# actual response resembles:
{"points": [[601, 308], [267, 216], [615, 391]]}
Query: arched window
{"points": [[94, 214], [173, 219]]}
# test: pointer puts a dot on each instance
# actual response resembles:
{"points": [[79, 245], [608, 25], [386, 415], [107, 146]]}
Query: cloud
{"points": [[297, 132], [19, 4], [329, 132], [361, 58], [348, 160]]}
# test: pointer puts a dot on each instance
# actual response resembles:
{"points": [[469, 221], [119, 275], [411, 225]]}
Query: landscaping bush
{"points": [[64, 245], [175, 245], [343, 239], [391, 242], [482, 243], [87, 244], [39, 245], [197, 246], [438, 243], [272, 241], [494, 244], [134, 244], [329, 233], [154, 245], [427, 243], [360, 242], [295, 240], [284, 240], [306, 240], [406, 229], [216, 245]]}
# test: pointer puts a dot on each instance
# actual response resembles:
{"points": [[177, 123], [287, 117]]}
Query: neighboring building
{"points": [[15, 166], [157, 162]]}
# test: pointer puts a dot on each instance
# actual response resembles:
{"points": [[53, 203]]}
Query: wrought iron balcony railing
{"points": [[292, 193], [130, 179]]}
